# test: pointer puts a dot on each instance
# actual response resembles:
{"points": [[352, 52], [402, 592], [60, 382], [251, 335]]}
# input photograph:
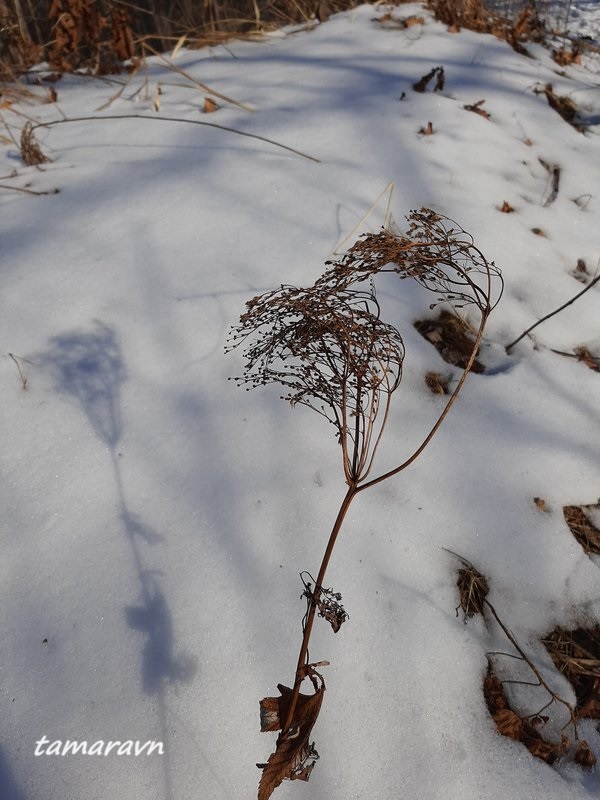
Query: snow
{"points": [[155, 517]]}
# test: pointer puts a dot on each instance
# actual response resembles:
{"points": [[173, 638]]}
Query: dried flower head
{"points": [[333, 353]]}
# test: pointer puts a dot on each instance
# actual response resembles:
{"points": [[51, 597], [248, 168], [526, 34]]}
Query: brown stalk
{"points": [[176, 119], [330, 350]]}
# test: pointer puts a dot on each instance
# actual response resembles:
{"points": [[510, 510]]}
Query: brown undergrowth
{"points": [[576, 654]]}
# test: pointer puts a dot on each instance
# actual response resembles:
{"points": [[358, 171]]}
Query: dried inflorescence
{"points": [[332, 352], [435, 251]]}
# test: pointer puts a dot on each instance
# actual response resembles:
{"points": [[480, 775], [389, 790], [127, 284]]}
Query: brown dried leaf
{"points": [[477, 109], [294, 757], [591, 361], [209, 105], [427, 130], [438, 384], [584, 755], [540, 504], [509, 724], [506, 208], [422, 83], [547, 751]]}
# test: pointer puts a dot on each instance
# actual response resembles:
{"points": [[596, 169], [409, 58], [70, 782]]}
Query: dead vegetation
{"points": [[579, 520], [328, 348], [475, 15], [576, 654], [453, 337], [31, 152]]}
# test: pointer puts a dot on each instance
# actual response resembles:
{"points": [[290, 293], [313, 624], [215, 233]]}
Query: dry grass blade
{"points": [[582, 528], [31, 152], [576, 654], [473, 588]]}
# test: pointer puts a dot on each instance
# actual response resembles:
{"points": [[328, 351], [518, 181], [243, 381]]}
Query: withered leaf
{"points": [[584, 755], [209, 105], [294, 756], [506, 208], [477, 109], [426, 130], [422, 83], [508, 723]]}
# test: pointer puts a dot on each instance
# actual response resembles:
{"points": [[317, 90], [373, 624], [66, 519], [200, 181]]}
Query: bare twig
{"points": [[510, 346], [176, 119]]}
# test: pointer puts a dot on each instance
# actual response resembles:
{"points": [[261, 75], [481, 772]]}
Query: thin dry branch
{"points": [[510, 346], [176, 119]]}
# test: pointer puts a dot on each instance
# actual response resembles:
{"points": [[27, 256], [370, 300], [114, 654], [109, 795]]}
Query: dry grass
{"points": [[31, 152], [582, 528], [576, 654]]}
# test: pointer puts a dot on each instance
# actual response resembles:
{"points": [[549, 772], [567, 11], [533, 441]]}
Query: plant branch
{"points": [[177, 119], [510, 346]]}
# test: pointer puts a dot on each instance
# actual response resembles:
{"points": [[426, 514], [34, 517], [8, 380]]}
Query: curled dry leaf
{"points": [[426, 130], [294, 757], [584, 755], [477, 109], [331, 608], [438, 384], [422, 84], [506, 208], [209, 105]]}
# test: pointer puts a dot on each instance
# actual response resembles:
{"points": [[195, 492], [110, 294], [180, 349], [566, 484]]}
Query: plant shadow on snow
{"points": [[10, 791], [88, 366]]}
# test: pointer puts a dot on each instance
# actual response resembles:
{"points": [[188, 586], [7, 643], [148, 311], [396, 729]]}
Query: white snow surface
{"points": [[155, 517]]}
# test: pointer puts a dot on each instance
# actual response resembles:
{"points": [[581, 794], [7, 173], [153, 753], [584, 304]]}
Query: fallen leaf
{"points": [[209, 105], [294, 758], [506, 208], [584, 755], [427, 130]]}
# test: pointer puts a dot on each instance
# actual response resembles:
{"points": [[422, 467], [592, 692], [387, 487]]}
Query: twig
{"points": [[510, 346], [26, 191], [176, 119], [21, 376]]}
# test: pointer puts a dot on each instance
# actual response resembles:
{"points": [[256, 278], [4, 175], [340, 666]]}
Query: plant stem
{"points": [[510, 346], [314, 599]]}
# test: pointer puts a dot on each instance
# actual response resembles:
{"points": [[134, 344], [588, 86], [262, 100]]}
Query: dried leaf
{"points": [[331, 609], [509, 724], [422, 83], [506, 208], [427, 130], [540, 504], [294, 757], [547, 751], [209, 105], [584, 755], [438, 384], [477, 109]]}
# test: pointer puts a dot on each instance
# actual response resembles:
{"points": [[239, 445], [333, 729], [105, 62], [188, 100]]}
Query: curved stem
{"points": [[314, 599], [440, 419]]}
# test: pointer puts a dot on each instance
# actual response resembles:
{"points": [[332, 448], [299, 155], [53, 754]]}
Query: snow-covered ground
{"points": [[155, 517]]}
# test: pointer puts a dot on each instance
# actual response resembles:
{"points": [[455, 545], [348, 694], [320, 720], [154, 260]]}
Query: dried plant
{"points": [[31, 152], [569, 655], [330, 350]]}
